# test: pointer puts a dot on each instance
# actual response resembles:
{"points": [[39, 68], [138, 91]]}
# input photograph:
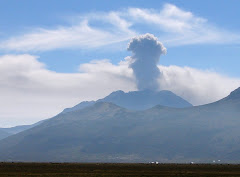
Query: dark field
{"points": [[79, 169]]}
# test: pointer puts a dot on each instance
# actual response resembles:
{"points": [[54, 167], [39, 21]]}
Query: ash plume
{"points": [[146, 51]]}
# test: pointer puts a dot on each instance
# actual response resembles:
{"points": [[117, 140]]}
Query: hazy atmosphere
{"points": [[54, 58], [119, 88]]}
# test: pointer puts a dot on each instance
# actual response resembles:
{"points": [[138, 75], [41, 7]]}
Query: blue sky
{"points": [[54, 54], [19, 17]]}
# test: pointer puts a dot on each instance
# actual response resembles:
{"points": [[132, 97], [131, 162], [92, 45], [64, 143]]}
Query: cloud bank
{"points": [[30, 92], [195, 85], [175, 26], [146, 51]]}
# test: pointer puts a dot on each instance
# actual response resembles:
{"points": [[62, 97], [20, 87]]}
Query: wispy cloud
{"points": [[80, 36], [183, 27], [174, 26]]}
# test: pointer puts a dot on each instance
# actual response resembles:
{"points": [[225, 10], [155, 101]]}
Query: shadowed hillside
{"points": [[4, 134], [106, 132]]}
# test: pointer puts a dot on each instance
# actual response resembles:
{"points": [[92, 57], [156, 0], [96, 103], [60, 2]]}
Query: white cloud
{"points": [[81, 36], [173, 25], [197, 86], [30, 92], [183, 27], [170, 18]]}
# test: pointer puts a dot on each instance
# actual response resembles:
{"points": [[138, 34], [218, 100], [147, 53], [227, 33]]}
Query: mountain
{"points": [[81, 105], [105, 132], [234, 95], [20, 128], [138, 100], [4, 134]]}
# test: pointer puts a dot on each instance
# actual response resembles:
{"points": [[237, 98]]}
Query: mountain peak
{"points": [[117, 92], [137, 100], [145, 99], [114, 94]]}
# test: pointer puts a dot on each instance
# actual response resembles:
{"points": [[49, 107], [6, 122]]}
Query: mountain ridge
{"points": [[138, 100], [116, 98], [106, 132]]}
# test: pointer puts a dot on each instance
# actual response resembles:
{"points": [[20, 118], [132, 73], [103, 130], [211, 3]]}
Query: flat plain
{"points": [[111, 169]]}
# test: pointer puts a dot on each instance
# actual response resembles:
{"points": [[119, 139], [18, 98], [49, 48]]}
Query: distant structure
{"points": [[154, 163]]}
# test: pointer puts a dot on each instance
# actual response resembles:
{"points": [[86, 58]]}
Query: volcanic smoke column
{"points": [[146, 51]]}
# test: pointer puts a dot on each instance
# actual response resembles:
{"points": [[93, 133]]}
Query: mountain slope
{"points": [[20, 128], [138, 100], [61, 133], [4, 134], [79, 106], [106, 132]]}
